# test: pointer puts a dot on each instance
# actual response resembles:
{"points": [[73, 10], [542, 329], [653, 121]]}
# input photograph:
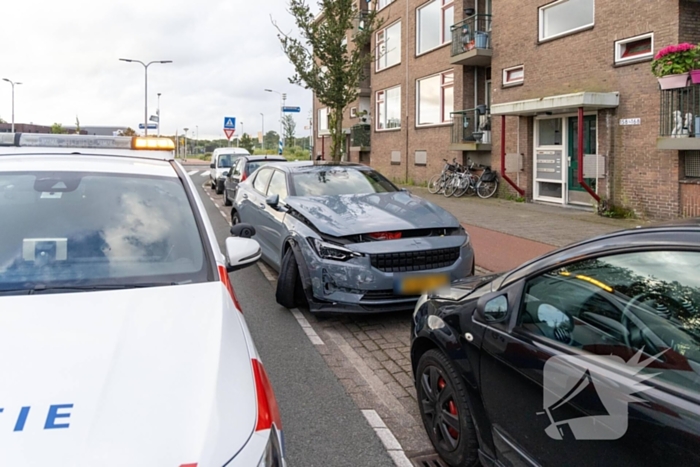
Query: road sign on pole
{"points": [[281, 146], [150, 127], [229, 133], [291, 109], [230, 123]]}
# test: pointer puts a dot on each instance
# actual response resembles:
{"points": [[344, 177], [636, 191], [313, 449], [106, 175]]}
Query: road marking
{"points": [[267, 272], [205, 173], [310, 333], [223, 214], [387, 438], [192, 172]]}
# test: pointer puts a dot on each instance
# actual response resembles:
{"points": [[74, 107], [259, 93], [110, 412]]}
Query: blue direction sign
{"points": [[230, 123], [150, 126], [291, 109]]}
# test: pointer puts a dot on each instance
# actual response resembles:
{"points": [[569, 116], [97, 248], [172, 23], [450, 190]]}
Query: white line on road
{"points": [[388, 439], [192, 172], [205, 173], [311, 334], [223, 214]]}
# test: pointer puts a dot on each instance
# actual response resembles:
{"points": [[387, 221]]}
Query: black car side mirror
{"points": [[212, 166], [243, 230], [493, 309], [273, 200]]}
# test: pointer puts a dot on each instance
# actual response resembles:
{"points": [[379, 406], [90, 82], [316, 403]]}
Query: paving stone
{"points": [[391, 366], [370, 345]]}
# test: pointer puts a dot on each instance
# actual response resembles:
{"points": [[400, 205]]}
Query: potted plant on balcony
{"points": [[672, 65]]}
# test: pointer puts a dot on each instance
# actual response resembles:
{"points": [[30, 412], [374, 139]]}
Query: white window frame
{"points": [[323, 118], [381, 4], [513, 82], [445, 40], [353, 112], [381, 100], [540, 25], [620, 48], [443, 86], [381, 55]]}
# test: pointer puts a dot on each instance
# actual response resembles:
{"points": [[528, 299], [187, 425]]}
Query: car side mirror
{"points": [[243, 230], [273, 200], [405, 190], [241, 252], [493, 310], [212, 166]]}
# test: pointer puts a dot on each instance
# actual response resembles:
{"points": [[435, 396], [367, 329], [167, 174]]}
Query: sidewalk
{"points": [[505, 234]]}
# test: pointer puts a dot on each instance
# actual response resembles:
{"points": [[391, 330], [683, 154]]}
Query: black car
{"points": [[242, 168], [589, 355]]}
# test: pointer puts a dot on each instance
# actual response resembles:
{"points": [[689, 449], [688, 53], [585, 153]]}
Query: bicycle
{"points": [[437, 183], [487, 185], [462, 181]]}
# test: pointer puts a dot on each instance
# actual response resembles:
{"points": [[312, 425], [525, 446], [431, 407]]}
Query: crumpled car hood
{"points": [[342, 215]]}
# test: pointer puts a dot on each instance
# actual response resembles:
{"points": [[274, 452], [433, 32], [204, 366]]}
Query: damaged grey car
{"points": [[345, 239]]}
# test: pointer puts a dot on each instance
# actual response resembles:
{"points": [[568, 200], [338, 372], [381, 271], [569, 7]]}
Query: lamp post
{"points": [[145, 68], [239, 136], [196, 140], [185, 155], [262, 144], [13, 100], [158, 115], [284, 99]]}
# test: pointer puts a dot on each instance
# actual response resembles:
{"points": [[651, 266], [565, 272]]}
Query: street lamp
{"points": [[284, 99], [262, 144], [185, 155], [13, 100], [145, 68], [158, 115]]}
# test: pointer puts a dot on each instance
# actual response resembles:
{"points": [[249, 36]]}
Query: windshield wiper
{"points": [[39, 288]]}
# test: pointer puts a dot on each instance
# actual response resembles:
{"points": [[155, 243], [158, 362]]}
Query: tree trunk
{"points": [[335, 124]]}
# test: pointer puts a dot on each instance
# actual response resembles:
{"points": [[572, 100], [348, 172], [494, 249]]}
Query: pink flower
{"points": [[672, 49]]}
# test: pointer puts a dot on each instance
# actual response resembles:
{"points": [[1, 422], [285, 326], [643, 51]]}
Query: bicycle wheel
{"points": [[462, 188], [486, 189], [435, 183], [471, 189], [450, 187]]}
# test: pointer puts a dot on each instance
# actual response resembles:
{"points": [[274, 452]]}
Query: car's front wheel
{"points": [[289, 281], [442, 401], [227, 201]]}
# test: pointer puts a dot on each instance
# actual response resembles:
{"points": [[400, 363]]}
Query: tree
{"points": [[322, 60], [77, 125], [271, 140], [2, 120], [57, 129], [289, 127], [247, 143], [128, 132]]}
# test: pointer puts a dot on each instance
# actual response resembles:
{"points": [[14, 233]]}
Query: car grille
{"points": [[415, 260], [387, 294]]}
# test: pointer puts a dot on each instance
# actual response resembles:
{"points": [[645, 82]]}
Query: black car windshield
{"points": [[252, 166], [340, 181], [68, 229]]}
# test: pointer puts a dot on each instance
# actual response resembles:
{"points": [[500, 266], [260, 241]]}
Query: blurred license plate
{"points": [[418, 284]]}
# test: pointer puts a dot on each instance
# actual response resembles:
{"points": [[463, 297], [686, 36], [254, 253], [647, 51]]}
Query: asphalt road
{"points": [[322, 425]]}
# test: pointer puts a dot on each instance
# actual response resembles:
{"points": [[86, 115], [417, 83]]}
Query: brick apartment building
{"points": [[455, 77]]}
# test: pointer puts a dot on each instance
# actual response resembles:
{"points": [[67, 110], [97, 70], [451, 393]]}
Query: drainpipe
{"points": [[503, 158], [323, 147], [581, 181], [405, 104]]}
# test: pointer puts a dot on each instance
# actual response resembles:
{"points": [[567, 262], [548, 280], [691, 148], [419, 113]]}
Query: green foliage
{"points": [[615, 212], [511, 197], [57, 129], [289, 127], [247, 143], [675, 60], [296, 153], [2, 120], [128, 132], [322, 60], [270, 142]]}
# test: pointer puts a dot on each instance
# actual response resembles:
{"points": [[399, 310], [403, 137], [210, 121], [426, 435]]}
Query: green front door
{"points": [[589, 147]]}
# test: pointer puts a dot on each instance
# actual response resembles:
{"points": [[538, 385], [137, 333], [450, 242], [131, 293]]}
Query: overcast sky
{"points": [[224, 52]]}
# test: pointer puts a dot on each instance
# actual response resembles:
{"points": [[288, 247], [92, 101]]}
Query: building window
{"points": [[353, 112], [513, 75], [323, 121], [435, 97], [382, 3], [433, 23], [564, 17], [692, 164], [389, 109], [549, 132], [389, 46], [634, 49]]}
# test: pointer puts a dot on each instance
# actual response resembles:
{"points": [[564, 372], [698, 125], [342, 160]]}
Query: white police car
{"points": [[121, 339]]}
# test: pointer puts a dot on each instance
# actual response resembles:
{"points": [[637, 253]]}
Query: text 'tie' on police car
{"points": [[121, 339]]}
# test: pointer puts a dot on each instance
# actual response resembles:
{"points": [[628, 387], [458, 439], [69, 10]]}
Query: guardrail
{"points": [[472, 33]]}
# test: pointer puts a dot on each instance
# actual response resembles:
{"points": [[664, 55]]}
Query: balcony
{"points": [[471, 41], [360, 137], [471, 130], [679, 110]]}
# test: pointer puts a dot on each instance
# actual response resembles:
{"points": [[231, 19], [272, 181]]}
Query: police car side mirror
{"points": [[241, 252]]}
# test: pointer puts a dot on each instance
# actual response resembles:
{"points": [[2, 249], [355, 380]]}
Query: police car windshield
{"points": [[81, 229]]}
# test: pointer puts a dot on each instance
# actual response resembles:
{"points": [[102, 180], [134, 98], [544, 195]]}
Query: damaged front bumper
{"points": [[364, 280]]}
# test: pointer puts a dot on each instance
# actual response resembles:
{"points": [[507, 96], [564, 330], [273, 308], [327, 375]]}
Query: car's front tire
{"points": [[287, 282], [442, 400], [227, 201], [219, 188]]}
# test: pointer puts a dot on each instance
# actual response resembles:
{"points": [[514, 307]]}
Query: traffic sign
{"points": [[230, 122], [229, 132], [150, 126], [281, 146], [291, 109]]}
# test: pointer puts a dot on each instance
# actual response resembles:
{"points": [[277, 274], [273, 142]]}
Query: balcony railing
{"points": [[679, 109], [474, 33], [472, 126], [360, 135]]}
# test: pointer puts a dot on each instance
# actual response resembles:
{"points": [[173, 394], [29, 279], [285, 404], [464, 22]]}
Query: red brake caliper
{"points": [[451, 407]]}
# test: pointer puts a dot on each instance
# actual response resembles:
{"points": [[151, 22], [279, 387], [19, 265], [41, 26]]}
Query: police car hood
{"points": [[138, 377]]}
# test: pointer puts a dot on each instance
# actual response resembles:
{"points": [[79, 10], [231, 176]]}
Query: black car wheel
{"points": [[287, 282], [219, 188], [443, 407], [235, 218], [227, 201]]}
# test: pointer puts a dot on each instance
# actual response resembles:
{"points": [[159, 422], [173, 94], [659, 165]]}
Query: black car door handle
{"points": [[245, 195]]}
